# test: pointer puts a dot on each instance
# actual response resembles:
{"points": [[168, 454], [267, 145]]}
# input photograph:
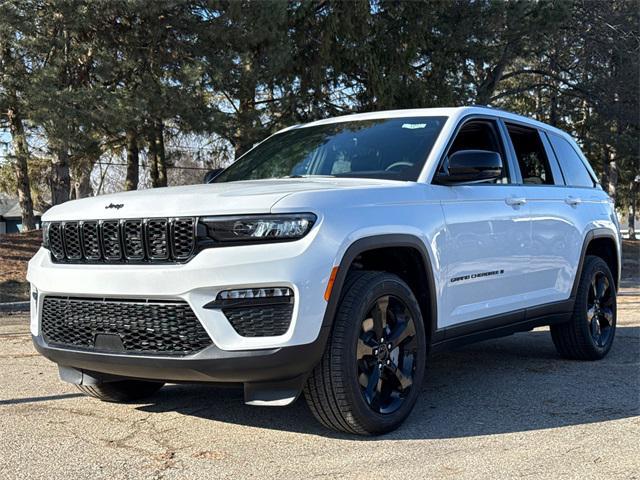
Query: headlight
{"points": [[45, 234], [258, 228]]}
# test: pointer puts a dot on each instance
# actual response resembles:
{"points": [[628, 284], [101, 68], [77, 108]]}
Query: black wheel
{"points": [[589, 334], [370, 375], [121, 390]]}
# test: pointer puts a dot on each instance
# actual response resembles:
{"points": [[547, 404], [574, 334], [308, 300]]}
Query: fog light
{"points": [[252, 296], [255, 293]]}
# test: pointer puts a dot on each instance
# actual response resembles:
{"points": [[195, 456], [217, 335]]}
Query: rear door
{"points": [[486, 253], [581, 200], [555, 209]]}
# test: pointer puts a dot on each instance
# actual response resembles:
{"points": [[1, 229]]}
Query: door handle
{"points": [[573, 201], [515, 201]]}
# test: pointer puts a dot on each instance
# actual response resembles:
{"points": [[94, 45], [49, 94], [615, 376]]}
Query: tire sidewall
{"points": [[384, 284]]}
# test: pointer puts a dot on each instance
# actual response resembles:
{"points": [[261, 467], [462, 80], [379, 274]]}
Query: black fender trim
{"points": [[372, 243], [592, 235]]}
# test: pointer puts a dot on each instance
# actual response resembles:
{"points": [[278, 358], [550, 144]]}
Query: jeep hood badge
{"points": [[117, 206]]}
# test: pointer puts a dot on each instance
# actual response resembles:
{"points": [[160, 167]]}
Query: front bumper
{"points": [[303, 266], [209, 365], [272, 377]]}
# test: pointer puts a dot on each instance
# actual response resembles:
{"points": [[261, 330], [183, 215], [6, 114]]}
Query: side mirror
{"points": [[211, 175], [470, 166]]}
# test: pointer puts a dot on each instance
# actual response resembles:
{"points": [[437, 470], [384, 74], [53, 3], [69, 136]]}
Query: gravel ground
{"points": [[507, 408]]}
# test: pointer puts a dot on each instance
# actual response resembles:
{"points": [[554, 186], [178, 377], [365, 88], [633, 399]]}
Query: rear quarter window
{"points": [[573, 168]]}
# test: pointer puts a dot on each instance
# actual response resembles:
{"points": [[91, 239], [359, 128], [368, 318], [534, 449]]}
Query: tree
{"points": [[12, 81], [124, 80]]}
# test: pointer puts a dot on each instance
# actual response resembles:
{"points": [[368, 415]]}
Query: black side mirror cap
{"points": [[211, 175], [471, 166]]}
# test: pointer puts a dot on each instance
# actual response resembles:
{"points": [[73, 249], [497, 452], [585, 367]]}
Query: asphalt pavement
{"points": [[505, 408]]}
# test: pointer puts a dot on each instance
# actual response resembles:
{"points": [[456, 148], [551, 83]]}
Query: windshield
{"points": [[392, 148]]}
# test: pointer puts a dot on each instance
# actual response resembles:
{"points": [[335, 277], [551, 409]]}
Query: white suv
{"points": [[331, 259]]}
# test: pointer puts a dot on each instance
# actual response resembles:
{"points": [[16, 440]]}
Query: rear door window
{"points": [[532, 157], [574, 171]]}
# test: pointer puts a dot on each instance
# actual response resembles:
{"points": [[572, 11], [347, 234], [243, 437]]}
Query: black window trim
{"points": [[559, 178], [595, 181], [547, 132], [552, 160], [508, 160]]}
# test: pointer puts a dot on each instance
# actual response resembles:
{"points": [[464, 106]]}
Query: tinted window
{"points": [[574, 171], [480, 135], [393, 148], [532, 158]]}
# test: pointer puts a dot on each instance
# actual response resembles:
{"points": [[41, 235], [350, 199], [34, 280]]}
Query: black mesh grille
{"points": [[260, 320], [157, 239], [132, 240], [162, 328], [55, 241], [183, 238], [111, 240], [91, 240], [72, 241]]}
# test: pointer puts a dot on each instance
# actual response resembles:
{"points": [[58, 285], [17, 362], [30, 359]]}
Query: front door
{"points": [[486, 252]]}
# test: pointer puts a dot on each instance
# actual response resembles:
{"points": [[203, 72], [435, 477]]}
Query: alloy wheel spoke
{"points": [[364, 349], [593, 293], [591, 312], [405, 381], [380, 316], [595, 328], [607, 313], [403, 330], [374, 385], [601, 287], [608, 300]]}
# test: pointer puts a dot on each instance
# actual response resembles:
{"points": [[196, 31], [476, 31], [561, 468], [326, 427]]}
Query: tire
{"points": [[360, 388], [121, 390], [590, 332]]}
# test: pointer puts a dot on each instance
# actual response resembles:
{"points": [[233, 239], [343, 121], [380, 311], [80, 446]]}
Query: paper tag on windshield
{"points": [[414, 126]]}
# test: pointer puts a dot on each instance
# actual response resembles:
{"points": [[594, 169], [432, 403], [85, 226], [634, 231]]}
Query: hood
{"points": [[231, 198]]}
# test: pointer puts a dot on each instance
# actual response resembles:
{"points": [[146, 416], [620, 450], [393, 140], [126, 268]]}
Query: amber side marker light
{"points": [[332, 279]]}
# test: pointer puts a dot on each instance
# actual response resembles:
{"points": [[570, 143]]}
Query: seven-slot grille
{"points": [[130, 240], [134, 326]]}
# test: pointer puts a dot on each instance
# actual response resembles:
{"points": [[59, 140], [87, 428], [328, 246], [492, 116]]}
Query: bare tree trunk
{"points": [[162, 158], [133, 165], [21, 169], [244, 135], [153, 158], [488, 86], [82, 180], [60, 180]]}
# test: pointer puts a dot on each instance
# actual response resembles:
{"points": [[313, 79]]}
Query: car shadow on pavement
{"points": [[47, 398], [517, 383]]}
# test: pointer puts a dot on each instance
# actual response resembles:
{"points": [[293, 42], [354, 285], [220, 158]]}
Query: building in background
{"points": [[11, 216]]}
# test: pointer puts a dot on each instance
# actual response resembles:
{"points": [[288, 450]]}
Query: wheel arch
{"points": [[390, 244], [601, 242]]}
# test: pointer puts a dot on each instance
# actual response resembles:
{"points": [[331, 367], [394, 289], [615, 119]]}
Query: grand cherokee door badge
{"points": [[477, 275]]}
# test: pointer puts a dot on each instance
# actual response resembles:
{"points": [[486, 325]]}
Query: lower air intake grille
{"points": [[153, 327], [260, 320]]}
